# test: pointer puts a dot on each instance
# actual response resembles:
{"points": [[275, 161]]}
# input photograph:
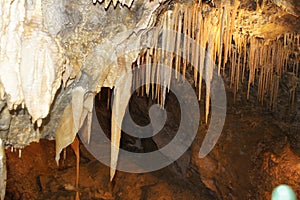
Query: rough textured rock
{"points": [[86, 34], [49, 49]]}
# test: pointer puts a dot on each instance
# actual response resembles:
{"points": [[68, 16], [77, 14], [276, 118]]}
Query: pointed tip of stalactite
{"points": [[106, 3], [112, 174], [20, 153], [57, 157], [39, 123], [115, 2], [206, 118]]}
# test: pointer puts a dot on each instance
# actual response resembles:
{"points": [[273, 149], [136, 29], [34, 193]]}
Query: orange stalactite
{"points": [[217, 40], [171, 47], [178, 42], [196, 45], [222, 30], [148, 72], [185, 49]]}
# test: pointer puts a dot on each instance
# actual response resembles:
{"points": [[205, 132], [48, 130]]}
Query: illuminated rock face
{"points": [[56, 53], [290, 6], [30, 65]]}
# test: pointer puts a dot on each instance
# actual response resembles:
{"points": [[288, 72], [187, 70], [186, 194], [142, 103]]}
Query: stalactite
{"points": [[164, 40], [232, 22], [185, 42], [251, 64], [226, 40], [163, 73], [244, 58], [40, 65], [189, 35], [154, 64], [148, 72], [20, 153], [235, 71], [202, 45], [222, 27], [138, 74], [11, 30], [196, 44], [209, 65], [122, 94], [158, 75], [178, 44], [143, 75], [169, 49], [212, 36], [232, 68]]}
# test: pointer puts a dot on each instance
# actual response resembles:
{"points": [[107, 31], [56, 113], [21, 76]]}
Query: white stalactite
{"points": [[29, 59], [122, 93], [11, 30]]}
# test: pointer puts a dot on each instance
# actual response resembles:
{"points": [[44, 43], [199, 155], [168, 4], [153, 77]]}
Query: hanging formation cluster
{"points": [[208, 39], [201, 36], [114, 2]]}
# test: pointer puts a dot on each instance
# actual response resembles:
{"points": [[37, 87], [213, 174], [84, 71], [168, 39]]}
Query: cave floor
{"points": [[251, 157], [36, 176]]}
